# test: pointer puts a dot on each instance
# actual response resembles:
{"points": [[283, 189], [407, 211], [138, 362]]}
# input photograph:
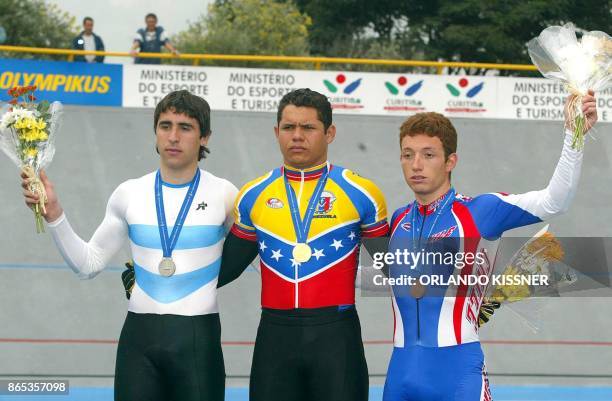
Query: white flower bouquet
{"points": [[579, 64]]}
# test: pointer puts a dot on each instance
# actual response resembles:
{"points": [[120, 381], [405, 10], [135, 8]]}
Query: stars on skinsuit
{"points": [[276, 255], [337, 244], [318, 253]]}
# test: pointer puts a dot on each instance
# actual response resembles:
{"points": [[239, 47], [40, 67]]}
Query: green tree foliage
{"points": [[37, 24], [256, 27], [495, 30], [454, 30], [343, 20], [367, 47]]}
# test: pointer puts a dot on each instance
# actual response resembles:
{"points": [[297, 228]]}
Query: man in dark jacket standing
{"points": [[150, 40], [87, 40]]}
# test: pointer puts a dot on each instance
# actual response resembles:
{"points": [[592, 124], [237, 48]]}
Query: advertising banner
{"points": [[69, 83], [260, 90], [367, 93]]}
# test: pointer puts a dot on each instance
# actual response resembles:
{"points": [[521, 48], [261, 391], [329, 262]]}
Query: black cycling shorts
{"points": [[170, 358], [308, 355]]}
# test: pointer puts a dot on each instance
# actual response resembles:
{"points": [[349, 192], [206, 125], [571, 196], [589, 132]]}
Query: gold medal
{"points": [[167, 267], [302, 252]]}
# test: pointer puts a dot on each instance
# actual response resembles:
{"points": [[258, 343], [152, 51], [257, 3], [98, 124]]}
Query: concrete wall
{"points": [[98, 148]]}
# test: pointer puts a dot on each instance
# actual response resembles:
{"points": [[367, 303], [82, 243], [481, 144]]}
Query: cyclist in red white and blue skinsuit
{"points": [[437, 354]]}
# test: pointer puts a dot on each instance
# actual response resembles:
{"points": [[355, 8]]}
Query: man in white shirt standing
{"points": [[88, 40], [174, 220]]}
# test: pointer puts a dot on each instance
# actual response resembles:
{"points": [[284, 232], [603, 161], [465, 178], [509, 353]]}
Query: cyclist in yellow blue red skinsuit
{"points": [[306, 220]]}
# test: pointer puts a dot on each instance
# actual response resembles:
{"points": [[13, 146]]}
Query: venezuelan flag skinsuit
{"points": [[309, 344]]}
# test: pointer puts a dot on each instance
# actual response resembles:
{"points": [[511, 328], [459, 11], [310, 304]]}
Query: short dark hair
{"points": [[307, 98], [183, 102], [87, 19], [150, 15]]}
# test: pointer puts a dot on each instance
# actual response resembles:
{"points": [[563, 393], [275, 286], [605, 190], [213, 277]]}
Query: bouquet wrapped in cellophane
{"points": [[579, 64], [541, 256], [27, 135]]}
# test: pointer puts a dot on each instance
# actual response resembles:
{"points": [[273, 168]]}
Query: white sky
{"points": [[116, 21]]}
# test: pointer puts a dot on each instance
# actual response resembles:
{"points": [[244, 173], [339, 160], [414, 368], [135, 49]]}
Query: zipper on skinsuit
{"points": [[418, 316]]}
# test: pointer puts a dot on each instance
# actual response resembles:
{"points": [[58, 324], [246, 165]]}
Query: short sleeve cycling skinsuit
{"points": [[437, 354]]}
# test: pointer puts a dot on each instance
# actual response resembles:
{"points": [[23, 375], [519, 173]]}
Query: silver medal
{"points": [[167, 267]]}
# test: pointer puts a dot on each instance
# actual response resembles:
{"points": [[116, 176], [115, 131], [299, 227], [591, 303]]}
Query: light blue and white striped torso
{"points": [[197, 255]]}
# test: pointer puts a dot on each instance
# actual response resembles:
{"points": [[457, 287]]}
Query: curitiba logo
{"points": [[405, 103], [340, 80], [463, 83], [401, 82]]}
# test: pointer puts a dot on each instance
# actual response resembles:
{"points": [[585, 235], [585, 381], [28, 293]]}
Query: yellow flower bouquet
{"points": [[27, 134], [540, 256], [535, 272]]}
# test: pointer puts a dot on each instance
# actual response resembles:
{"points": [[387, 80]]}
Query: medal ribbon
{"points": [[415, 207], [302, 227], [169, 243]]}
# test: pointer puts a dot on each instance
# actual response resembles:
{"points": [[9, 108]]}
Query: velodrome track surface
{"points": [[53, 325]]}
